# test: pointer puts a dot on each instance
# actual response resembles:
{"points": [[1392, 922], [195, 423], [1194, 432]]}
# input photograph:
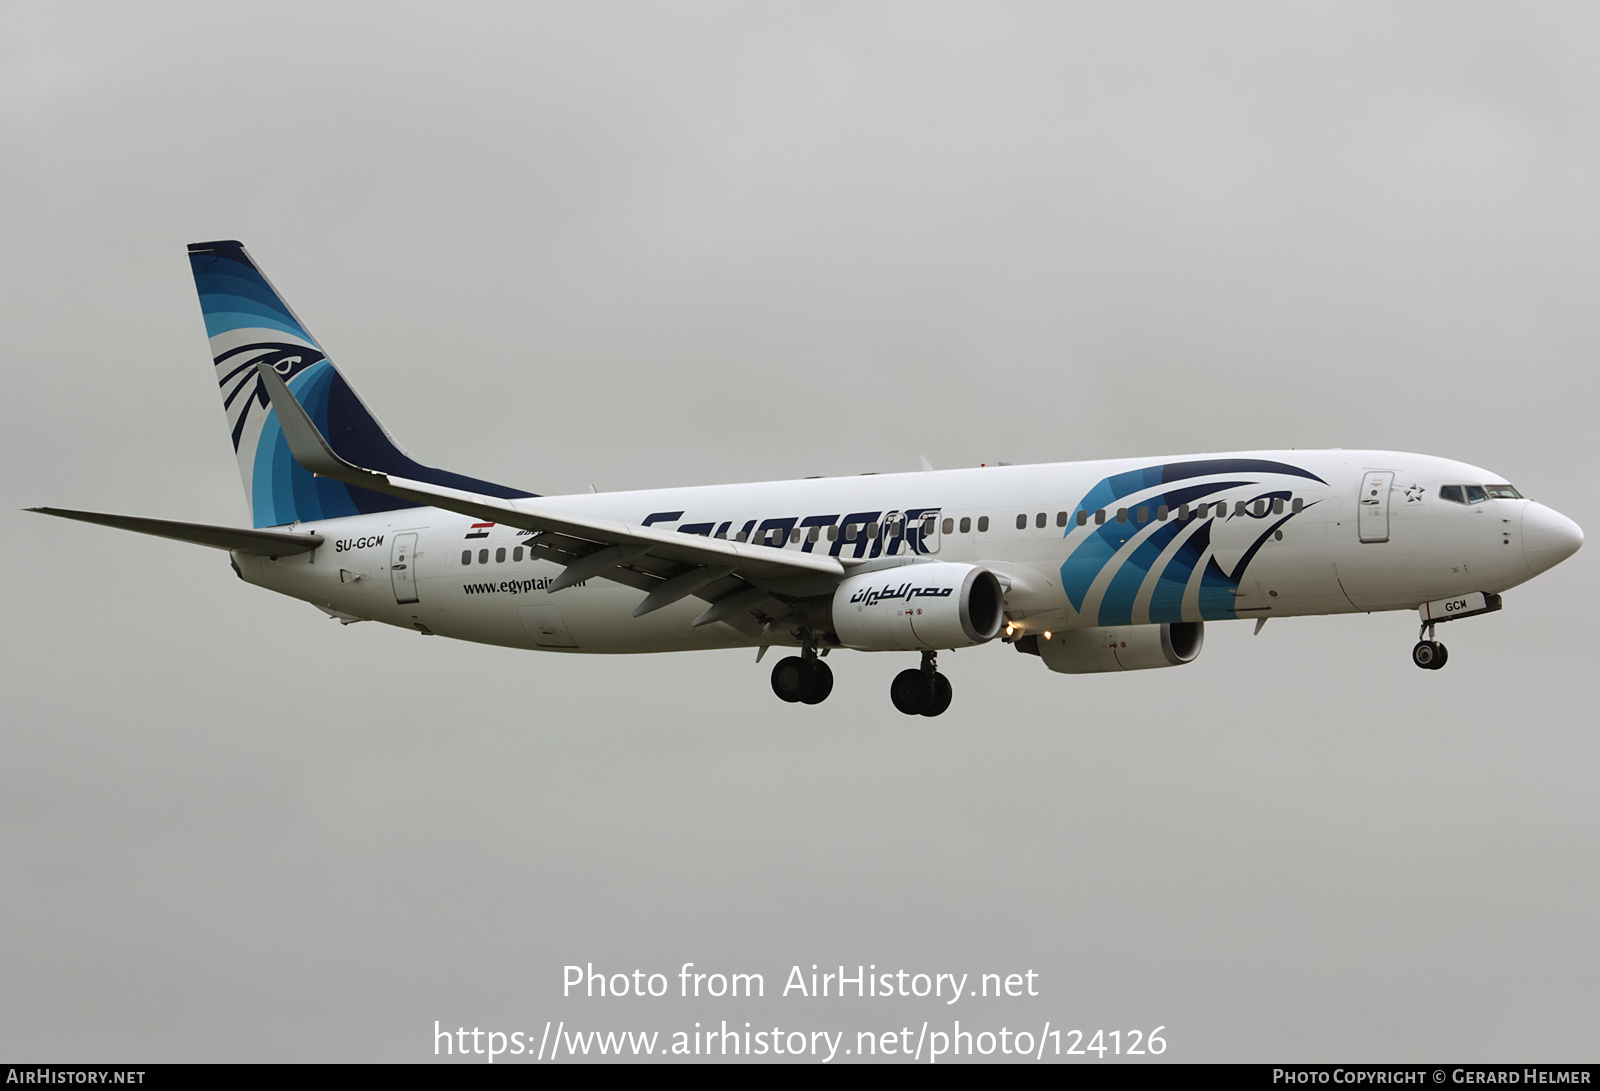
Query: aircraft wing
{"points": [[737, 578]]}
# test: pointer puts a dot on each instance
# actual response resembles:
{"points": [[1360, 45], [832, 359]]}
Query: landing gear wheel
{"points": [[789, 678], [1429, 655], [909, 691], [939, 697], [806, 680], [821, 683], [920, 692]]}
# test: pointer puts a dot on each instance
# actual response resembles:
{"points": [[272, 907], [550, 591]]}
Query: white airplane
{"points": [[1091, 566]]}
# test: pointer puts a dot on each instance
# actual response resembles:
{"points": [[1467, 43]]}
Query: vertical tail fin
{"points": [[249, 323]]}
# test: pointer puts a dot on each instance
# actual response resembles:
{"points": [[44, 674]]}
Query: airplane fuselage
{"points": [[1076, 545]]}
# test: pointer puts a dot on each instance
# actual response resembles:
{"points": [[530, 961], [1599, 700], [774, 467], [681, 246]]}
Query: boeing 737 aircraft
{"points": [[1091, 566]]}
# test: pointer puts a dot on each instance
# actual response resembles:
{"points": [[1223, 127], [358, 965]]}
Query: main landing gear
{"points": [[1429, 654], [921, 692], [803, 678], [806, 679]]}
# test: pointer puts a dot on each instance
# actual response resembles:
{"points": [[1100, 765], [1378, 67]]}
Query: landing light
{"points": [[1047, 634]]}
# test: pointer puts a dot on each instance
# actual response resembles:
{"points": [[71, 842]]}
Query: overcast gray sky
{"points": [[643, 245]]}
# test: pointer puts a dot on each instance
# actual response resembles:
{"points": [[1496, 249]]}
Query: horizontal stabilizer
{"points": [[267, 543]]}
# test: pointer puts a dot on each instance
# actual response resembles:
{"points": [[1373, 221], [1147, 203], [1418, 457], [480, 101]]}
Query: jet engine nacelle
{"points": [[917, 606], [1124, 648]]}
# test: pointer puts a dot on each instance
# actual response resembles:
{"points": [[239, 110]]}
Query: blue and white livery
{"points": [[1091, 566]]}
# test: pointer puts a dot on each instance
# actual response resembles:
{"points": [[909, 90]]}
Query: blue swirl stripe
{"points": [[1127, 558]]}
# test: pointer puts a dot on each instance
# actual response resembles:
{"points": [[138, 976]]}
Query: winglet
{"points": [[306, 443]]}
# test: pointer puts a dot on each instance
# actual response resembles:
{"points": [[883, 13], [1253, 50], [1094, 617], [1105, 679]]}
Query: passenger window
{"points": [[466, 556], [1259, 507], [1162, 513], [1183, 512], [516, 554], [1239, 507], [500, 555], [1061, 518], [1277, 505], [983, 524], [1476, 495], [814, 534], [1040, 520], [1022, 522], [833, 534], [949, 526], [483, 556], [1100, 517], [966, 524], [742, 536], [872, 530], [1083, 518], [794, 535], [1142, 515], [1122, 515], [1299, 503]]}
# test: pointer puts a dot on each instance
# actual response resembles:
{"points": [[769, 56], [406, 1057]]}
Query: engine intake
{"points": [[918, 606], [1124, 648]]}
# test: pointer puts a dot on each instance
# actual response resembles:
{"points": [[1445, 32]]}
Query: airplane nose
{"points": [[1548, 537]]}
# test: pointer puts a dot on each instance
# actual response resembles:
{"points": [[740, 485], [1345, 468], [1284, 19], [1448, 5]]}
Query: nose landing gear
{"points": [[1428, 653], [803, 678], [921, 692]]}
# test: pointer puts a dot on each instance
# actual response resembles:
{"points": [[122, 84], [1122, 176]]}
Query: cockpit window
{"points": [[1477, 494]]}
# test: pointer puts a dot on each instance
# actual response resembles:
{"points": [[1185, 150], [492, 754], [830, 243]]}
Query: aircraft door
{"points": [[403, 568], [1372, 514], [925, 537]]}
